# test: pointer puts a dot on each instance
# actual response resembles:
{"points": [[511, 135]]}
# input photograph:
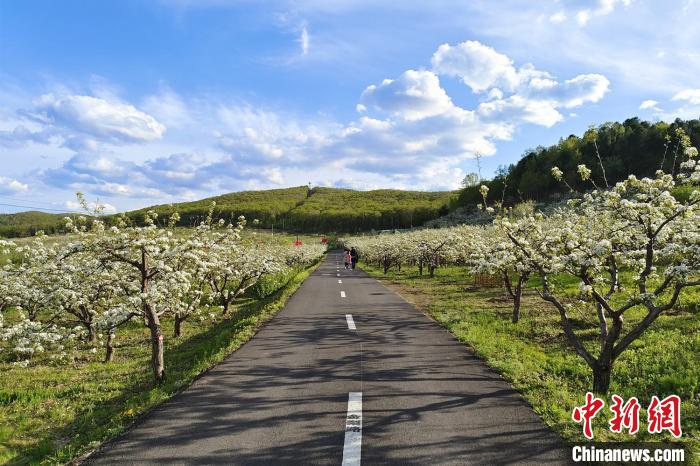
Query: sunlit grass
{"points": [[51, 414]]}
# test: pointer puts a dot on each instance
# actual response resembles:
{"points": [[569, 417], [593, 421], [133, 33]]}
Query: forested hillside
{"points": [[319, 210], [633, 147], [28, 223], [345, 210], [299, 209], [266, 206]]}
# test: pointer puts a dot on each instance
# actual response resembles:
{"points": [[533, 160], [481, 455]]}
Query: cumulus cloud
{"points": [[686, 103], [110, 176], [408, 132], [479, 66], [176, 175], [571, 93], [647, 104], [99, 118], [413, 96], [692, 96], [519, 109], [603, 8], [11, 186], [83, 123], [22, 135], [524, 94]]}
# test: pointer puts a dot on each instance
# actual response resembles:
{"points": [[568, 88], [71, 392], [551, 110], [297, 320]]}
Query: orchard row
{"points": [[64, 294]]}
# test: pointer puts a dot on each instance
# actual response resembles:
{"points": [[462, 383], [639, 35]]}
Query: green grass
{"points": [[534, 356], [51, 414]]}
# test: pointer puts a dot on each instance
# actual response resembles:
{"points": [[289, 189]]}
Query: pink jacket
{"points": [[347, 258]]}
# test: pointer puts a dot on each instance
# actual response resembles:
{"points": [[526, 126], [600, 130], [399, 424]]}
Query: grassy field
{"points": [[534, 356], [49, 414]]}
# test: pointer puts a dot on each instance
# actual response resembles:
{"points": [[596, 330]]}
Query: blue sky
{"points": [[143, 102]]}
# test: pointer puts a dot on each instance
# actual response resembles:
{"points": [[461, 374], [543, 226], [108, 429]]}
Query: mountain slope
{"points": [[317, 210], [300, 209], [28, 223]]}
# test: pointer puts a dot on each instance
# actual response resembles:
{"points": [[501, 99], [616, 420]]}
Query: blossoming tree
{"points": [[638, 226]]}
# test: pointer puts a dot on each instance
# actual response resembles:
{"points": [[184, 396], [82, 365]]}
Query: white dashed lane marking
{"points": [[342, 294], [350, 321], [352, 449]]}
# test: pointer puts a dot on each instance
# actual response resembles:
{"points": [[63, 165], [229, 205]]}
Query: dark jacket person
{"points": [[355, 256]]}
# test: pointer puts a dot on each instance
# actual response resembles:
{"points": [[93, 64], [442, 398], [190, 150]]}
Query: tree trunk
{"points": [[516, 307], [507, 285], [399, 266], [225, 303], [109, 356], [92, 333], [517, 297], [157, 352], [601, 378], [386, 268], [178, 326], [431, 270], [420, 267]]}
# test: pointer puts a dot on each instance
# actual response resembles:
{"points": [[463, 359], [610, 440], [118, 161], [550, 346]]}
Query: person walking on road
{"points": [[347, 258], [354, 256]]}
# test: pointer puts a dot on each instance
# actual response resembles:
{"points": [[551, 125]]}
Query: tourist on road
{"points": [[347, 258], [354, 256]]}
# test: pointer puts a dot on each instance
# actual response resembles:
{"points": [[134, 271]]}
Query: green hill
{"points": [[298, 209], [267, 206], [317, 210], [633, 147], [28, 223], [345, 210]]}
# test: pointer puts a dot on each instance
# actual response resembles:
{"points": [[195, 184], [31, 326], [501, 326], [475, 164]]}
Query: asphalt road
{"points": [[309, 389]]}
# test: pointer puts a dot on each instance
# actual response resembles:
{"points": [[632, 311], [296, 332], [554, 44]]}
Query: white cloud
{"points": [[11, 186], [604, 8], [304, 40], [104, 207], [583, 88], [22, 135], [583, 17], [113, 122], [479, 66], [558, 17], [517, 109], [691, 96], [484, 69], [168, 108], [688, 107], [532, 96], [408, 132], [647, 104], [274, 175], [413, 96]]}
